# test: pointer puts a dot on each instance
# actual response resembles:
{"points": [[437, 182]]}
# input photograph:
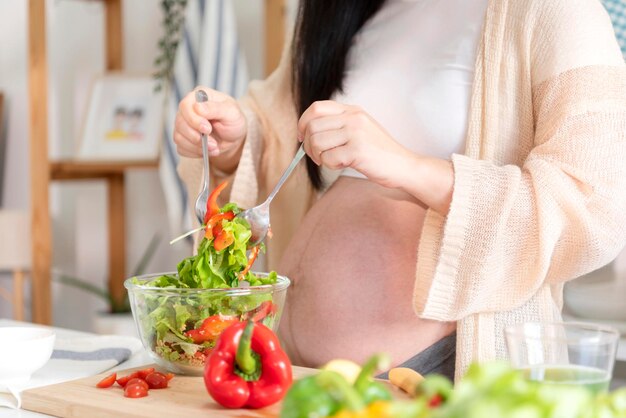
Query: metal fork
{"points": [[203, 196], [259, 216]]}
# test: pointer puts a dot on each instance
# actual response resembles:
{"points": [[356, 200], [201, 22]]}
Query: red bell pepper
{"points": [[260, 312], [247, 367], [253, 255], [222, 239], [211, 328], [215, 221], [212, 208]]}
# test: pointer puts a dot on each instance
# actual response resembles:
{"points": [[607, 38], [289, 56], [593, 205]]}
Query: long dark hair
{"points": [[323, 36]]}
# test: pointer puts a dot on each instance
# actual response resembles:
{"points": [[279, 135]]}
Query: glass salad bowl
{"points": [[179, 326]]}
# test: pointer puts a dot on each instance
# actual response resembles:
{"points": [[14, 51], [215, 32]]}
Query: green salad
{"points": [[183, 325]]}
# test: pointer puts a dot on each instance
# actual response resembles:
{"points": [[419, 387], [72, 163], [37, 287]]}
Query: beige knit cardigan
{"points": [[539, 195]]}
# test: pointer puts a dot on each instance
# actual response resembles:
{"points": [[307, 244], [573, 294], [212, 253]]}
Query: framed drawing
{"points": [[124, 120]]}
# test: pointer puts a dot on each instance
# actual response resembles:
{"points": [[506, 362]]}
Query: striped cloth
{"points": [[74, 358], [208, 55], [617, 11]]}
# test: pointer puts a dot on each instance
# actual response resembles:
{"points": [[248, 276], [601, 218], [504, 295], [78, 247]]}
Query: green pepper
{"points": [[369, 389], [321, 395], [329, 392]]}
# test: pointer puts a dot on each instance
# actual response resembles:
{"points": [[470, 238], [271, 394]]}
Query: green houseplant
{"points": [[173, 19]]}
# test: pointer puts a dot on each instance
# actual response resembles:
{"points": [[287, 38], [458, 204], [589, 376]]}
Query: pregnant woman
{"points": [[465, 159]]}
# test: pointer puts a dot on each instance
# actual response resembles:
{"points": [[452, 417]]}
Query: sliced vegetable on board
{"points": [[135, 391], [107, 382], [137, 384]]}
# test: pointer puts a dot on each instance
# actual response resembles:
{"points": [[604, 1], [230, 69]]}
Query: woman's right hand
{"points": [[220, 118]]}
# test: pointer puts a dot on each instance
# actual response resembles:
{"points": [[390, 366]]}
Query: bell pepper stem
{"points": [[244, 357], [375, 363], [335, 382]]}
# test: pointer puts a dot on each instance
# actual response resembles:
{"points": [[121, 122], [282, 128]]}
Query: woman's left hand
{"points": [[339, 136]]}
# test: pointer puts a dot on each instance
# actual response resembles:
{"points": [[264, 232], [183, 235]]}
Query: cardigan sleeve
{"points": [[561, 213]]}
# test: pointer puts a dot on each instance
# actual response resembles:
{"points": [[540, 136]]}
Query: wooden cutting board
{"points": [[186, 397]]}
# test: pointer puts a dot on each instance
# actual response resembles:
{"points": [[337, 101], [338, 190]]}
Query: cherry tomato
{"points": [[138, 381], [107, 382], [135, 391], [122, 381], [169, 376], [145, 372], [157, 380]]}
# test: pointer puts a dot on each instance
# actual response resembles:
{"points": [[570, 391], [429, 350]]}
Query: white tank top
{"points": [[412, 67]]}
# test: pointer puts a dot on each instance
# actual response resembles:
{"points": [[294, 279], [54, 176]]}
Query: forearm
{"points": [[428, 179]]}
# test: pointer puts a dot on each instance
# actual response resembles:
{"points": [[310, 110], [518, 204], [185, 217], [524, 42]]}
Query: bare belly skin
{"points": [[352, 266]]}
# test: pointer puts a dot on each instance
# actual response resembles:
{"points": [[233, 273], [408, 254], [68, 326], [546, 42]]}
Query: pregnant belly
{"points": [[352, 264]]}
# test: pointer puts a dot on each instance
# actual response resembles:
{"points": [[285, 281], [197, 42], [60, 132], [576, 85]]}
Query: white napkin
{"points": [[74, 358]]}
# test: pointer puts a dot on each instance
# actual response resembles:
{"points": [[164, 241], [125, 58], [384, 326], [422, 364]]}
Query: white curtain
{"points": [[208, 55]]}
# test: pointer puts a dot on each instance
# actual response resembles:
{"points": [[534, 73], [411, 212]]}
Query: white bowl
{"points": [[23, 350]]}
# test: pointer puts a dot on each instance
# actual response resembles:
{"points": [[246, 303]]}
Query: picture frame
{"points": [[124, 120]]}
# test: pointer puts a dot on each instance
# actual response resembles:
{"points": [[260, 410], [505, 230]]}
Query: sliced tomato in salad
{"points": [[263, 310], [211, 328]]}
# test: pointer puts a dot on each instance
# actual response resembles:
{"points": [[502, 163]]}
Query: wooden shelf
{"points": [[43, 171], [86, 170]]}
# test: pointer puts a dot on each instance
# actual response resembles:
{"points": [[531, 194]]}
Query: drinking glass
{"points": [[566, 353]]}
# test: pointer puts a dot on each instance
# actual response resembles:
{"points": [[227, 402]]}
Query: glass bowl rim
{"points": [[604, 333], [282, 283]]}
